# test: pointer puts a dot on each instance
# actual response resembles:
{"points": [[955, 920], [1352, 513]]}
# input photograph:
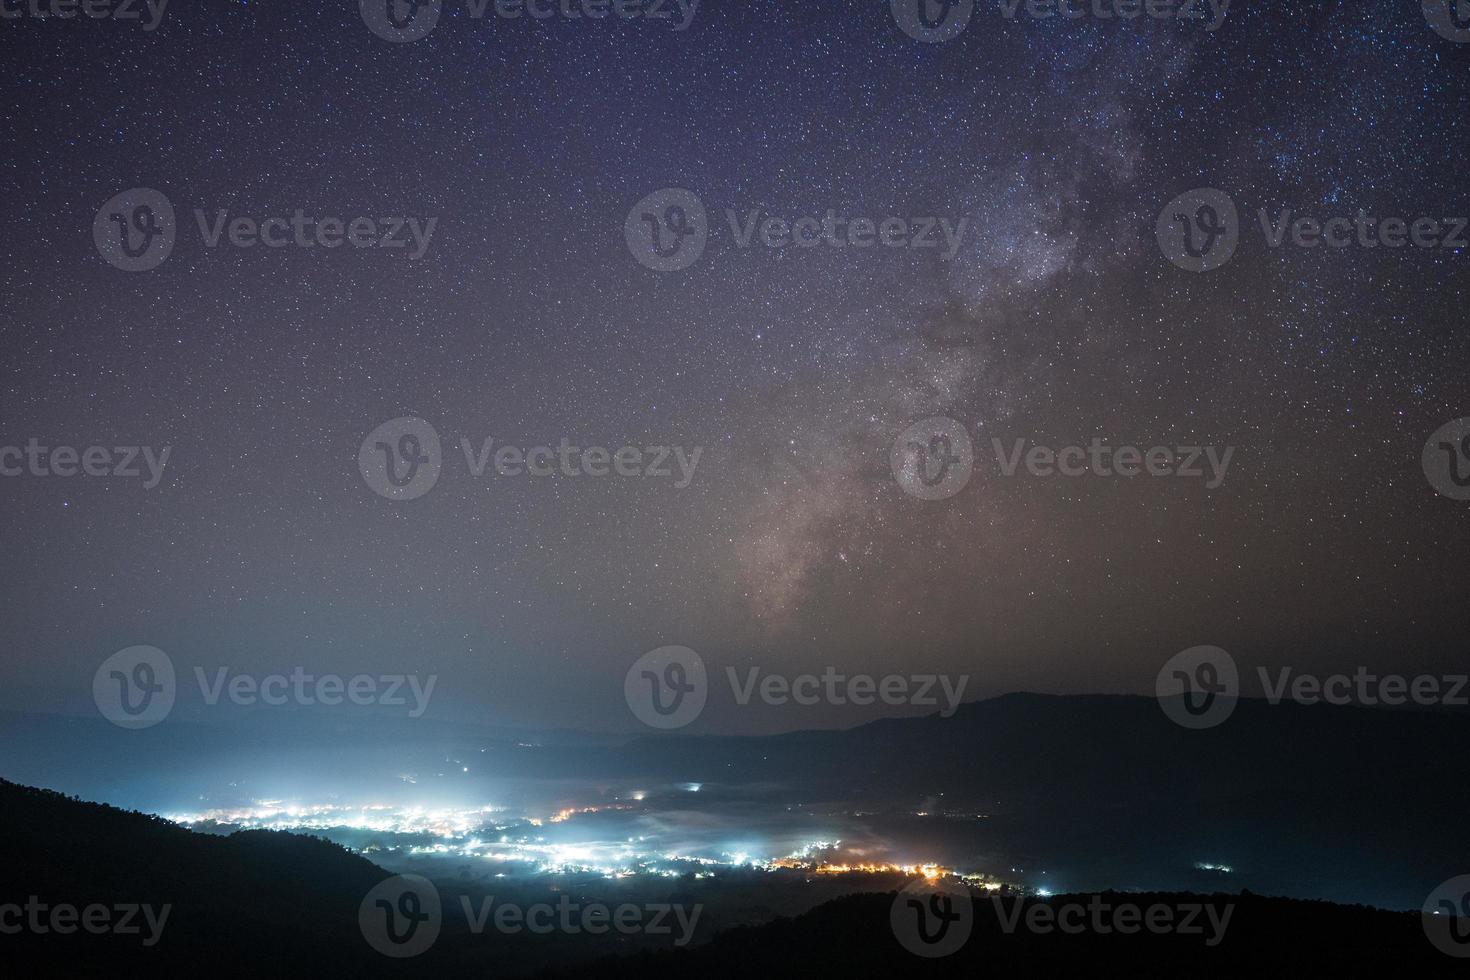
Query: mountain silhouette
{"points": [[852, 937], [279, 904], [1346, 804], [252, 903]]}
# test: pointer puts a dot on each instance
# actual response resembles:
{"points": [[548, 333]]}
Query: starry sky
{"points": [[527, 320]]}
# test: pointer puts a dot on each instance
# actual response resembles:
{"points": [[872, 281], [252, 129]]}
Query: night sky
{"points": [[527, 319]]}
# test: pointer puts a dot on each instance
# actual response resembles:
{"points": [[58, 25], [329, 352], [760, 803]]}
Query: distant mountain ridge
{"points": [[1301, 800], [852, 937], [1306, 797], [274, 904]]}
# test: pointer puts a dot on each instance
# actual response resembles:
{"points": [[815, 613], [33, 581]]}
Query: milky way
{"points": [[1057, 320]]}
